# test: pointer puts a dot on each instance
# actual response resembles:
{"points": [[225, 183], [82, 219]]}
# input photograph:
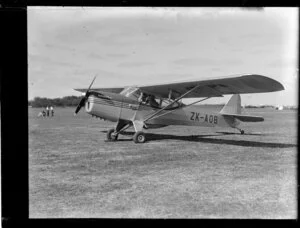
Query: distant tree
{"points": [[251, 106], [42, 102]]}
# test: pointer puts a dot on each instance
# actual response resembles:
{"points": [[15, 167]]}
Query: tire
{"points": [[242, 132], [110, 136], [139, 137]]}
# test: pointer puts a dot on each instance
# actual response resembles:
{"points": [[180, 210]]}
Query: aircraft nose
{"points": [[84, 99], [89, 104]]}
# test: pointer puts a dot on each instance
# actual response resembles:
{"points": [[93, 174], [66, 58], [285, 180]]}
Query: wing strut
{"points": [[180, 107], [177, 99]]}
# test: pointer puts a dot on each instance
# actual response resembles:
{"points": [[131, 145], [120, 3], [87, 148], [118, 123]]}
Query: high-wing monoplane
{"points": [[160, 105]]}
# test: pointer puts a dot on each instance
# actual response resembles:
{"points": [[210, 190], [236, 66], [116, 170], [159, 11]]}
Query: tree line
{"points": [[42, 102]]}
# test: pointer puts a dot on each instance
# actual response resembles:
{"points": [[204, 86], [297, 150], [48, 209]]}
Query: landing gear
{"points": [[111, 136], [113, 133], [139, 137]]}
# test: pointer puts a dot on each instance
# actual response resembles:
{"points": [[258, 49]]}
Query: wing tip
{"points": [[277, 86]]}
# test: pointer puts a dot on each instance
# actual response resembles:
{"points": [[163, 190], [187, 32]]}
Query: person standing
{"points": [[47, 109], [52, 111]]}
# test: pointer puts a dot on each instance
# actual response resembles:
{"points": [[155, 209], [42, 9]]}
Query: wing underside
{"points": [[240, 84]]}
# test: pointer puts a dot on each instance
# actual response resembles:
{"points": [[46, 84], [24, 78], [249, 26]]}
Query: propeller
{"points": [[83, 100]]}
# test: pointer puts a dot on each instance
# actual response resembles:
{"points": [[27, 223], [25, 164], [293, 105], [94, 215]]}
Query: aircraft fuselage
{"points": [[114, 107]]}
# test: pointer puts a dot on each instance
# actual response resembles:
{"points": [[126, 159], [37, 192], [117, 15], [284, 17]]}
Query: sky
{"points": [[68, 46]]}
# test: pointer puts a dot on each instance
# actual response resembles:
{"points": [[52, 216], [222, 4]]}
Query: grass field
{"points": [[182, 172]]}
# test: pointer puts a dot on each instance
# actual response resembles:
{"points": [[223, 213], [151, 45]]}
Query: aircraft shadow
{"points": [[237, 133], [204, 139]]}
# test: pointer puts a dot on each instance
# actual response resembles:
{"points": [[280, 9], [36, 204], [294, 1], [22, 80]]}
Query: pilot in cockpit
{"points": [[142, 98], [152, 101], [148, 99]]}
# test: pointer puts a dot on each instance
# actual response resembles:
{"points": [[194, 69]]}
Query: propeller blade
{"points": [[91, 83], [79, 106], [83, 100]]}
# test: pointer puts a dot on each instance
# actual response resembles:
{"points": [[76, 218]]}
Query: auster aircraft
{"points": [[160, 105]]}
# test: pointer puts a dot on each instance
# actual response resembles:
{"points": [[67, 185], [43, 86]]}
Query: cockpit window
{"points": [[148, 99], [156, 102], [166, 102]]}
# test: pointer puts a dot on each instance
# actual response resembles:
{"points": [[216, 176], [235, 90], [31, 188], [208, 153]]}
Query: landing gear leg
{"points": [[113, 133], [139, 136]]}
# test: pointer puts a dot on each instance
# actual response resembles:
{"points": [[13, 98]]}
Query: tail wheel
{"points": [[139, 137], [111, 136]]}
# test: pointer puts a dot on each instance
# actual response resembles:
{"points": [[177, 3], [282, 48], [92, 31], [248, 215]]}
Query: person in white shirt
{"points": [[52, 111]]}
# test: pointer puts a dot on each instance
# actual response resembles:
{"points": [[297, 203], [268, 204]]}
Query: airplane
{"points": [[160, 105]]}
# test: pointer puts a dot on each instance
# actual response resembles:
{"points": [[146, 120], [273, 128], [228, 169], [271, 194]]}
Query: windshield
{"points": [[132, 92]]}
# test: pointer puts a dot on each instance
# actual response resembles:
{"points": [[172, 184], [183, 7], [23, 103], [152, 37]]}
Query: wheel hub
{"points": [[141, 138]]}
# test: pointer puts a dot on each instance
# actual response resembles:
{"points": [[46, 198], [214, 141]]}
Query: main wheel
{"points": [[110, 135], [139, 137]]}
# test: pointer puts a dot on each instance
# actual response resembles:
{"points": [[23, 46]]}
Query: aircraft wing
{"points": [[111, 90], [240, 84]]}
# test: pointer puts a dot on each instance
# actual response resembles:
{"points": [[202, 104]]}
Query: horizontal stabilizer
{"points": [[246, 118]]}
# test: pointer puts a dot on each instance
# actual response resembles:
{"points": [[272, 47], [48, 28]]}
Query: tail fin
{"points": [[233, 106], [233, 109]]}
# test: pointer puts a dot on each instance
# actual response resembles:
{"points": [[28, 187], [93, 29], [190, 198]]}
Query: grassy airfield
{"points": [[181, 172]]}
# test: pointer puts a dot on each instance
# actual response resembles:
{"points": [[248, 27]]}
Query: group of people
{"points": [[47, 113]]}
